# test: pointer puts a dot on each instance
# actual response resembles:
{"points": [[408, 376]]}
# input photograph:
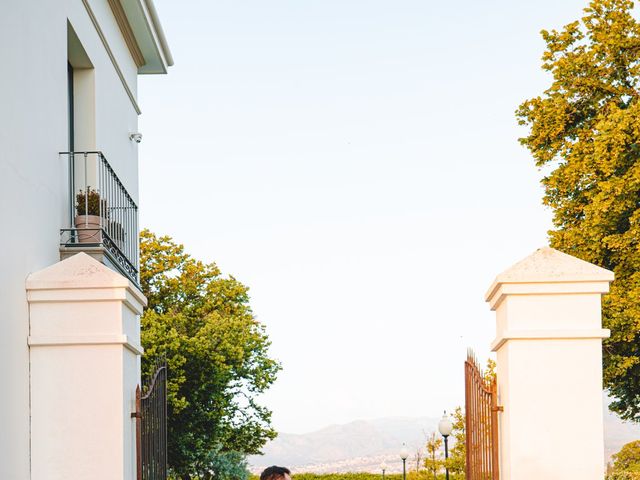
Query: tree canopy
{"points": [[628, 458], [217, 357], [433, 460], [584, 131]]}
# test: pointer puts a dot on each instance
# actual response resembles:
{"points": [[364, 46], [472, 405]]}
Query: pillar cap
{"points": [[81, 272], [553, 268]]}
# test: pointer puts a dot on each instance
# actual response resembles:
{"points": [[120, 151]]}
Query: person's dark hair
{"points": [[274, 473]]}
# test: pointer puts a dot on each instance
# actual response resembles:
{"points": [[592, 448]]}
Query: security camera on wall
{"points": [[136, 137]]}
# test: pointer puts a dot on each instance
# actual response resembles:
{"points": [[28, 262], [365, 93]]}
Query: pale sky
{"points": [[355, 162]]}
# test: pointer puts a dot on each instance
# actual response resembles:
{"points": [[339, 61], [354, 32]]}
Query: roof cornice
{"points": [[127, 32], [153, 13], [140, 26]]}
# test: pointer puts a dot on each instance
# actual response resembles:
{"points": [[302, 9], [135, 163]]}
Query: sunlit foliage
{"points": [[217, 355], [584, 131]]}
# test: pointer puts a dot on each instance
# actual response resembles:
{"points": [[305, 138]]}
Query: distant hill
{"points": [[357, 446], [363, 445]]}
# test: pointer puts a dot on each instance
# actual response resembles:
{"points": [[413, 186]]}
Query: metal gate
{"points": [[151, 426], [481, 410]]}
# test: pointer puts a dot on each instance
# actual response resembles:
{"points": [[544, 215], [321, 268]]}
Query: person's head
{"points": [[276, 473]]}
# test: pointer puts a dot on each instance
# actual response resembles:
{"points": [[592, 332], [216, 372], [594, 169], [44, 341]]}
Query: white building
{"points": [[68, 82]]}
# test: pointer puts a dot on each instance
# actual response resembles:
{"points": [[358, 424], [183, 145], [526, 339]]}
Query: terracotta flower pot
{"points": [[89, 228]]}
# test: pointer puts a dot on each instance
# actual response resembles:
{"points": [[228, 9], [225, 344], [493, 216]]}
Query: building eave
{"points": [[144, 34]]}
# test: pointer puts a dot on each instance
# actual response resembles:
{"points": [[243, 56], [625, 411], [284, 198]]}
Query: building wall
{"points": [[33, 177], [115, 114]]}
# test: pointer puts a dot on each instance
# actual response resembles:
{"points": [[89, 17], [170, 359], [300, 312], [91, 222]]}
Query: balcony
{"points": [[103, 218]]}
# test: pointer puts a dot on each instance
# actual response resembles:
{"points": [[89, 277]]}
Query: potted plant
{"points": [[90, 212]]}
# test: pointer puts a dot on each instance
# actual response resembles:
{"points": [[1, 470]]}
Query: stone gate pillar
{"points": [[84, 352], [549, 362]]}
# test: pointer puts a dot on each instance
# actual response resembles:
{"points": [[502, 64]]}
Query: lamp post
{"points": [[383, 467], [445, 427], [404, 454]]}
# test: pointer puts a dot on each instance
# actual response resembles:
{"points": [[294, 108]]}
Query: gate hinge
{"points": [[136, 415], [499, 408]]}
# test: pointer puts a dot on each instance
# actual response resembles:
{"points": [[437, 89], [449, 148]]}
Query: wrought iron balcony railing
{"points": [[103, 218]]}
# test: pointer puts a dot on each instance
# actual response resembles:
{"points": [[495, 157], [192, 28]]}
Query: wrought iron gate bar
{"points": [[151, 423], [481, 423]]}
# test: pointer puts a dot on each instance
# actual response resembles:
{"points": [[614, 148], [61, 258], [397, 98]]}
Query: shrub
{"points": [[93, 203], [623, 476]]}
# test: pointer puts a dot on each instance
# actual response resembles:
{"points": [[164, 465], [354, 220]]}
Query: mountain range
{"points": [[356, 446], [362, 445]]}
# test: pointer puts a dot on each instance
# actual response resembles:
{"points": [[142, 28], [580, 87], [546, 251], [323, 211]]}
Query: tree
{"points": [[628, 458], [418, 458], [458, 453], [228, 465], [585, 131], [433, 462], [217, 356]]}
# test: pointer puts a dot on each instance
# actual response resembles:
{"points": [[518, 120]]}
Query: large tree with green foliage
{"points": [[627, 460], [217, 356], [585, 134]]}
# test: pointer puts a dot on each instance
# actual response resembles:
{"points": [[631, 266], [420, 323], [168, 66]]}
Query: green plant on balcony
{"points": [[89, 202], [91, 211]]}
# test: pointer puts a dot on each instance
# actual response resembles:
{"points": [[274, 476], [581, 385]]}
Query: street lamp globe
{"points": [[444, 426], [404, 453], [383, 467]]}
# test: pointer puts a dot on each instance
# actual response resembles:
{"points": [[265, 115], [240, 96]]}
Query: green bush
{"points": [[623, 476], [423, 475], [93, 205], [346, 476]]}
